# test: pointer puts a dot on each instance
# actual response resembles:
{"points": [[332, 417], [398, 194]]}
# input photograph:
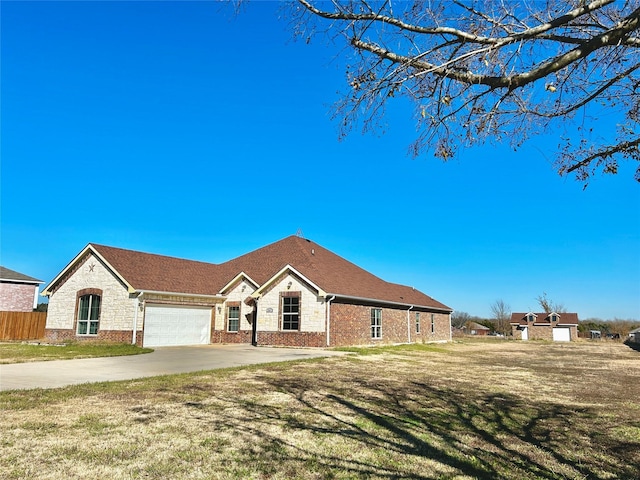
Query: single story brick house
{"points": [[559, 327], [292, 293], [474, 328], [18, 292]]}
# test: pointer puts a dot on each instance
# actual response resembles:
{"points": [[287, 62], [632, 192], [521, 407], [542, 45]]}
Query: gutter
{"points": [[378, 301], [217, 296]]}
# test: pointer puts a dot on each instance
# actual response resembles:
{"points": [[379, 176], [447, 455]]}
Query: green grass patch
{"points": [[27, 352]]}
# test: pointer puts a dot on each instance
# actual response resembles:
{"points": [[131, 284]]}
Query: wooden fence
{"points": [[22, 325]]}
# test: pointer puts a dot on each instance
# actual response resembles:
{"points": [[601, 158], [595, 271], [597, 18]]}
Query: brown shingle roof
{"points": [[13, 276], [565, 318], [147, 271], [330, 272]]}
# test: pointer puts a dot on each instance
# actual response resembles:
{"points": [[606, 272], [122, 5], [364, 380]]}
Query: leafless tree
{"points": [[488, 70], [502, 316], [459, 319], [548, 305]]}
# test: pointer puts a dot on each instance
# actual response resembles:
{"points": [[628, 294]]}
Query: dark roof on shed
{"points": [[566, 318], [13, 276]]}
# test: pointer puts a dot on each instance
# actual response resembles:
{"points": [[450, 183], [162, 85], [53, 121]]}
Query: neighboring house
{"points": [[634, 335], [18, 292], [559, 327], [473, 328], [292, 292]]}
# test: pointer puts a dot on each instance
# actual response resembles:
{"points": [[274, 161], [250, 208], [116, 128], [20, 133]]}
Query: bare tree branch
{"points": [[488, 70]]}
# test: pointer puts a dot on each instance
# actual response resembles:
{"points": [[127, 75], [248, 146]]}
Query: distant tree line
{"points": [[618, 326]]}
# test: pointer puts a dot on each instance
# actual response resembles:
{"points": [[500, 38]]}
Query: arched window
{"points": [[88, 314]]}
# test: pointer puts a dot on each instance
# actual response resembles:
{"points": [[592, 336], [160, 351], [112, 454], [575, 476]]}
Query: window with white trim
{"points": [[417, 322], [88, 314], [233, 318], [376, 323], [433, 323]]}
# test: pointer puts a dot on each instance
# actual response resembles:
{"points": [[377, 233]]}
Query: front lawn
{"points": [[31, 352], [464, 410]]}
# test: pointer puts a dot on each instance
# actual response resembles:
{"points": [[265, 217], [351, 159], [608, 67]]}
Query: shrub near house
{"points": [[292, 292]]}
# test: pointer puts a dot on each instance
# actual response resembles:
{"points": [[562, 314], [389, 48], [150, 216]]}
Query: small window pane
{"points": [[95, 307], [83, 314]]}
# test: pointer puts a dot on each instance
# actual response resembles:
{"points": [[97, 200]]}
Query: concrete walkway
{"points": [[162, 361]]}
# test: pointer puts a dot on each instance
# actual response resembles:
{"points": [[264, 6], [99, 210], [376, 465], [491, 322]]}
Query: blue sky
{"points": [[183, 130]]}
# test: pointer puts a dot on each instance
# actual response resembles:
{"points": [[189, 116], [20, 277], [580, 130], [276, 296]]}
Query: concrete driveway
{"points": [[162, 361]]}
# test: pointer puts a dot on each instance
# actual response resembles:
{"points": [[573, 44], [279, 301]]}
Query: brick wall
{"points": [[292, 339], [220, 336], [17, 297], [441, 331], [541, 332], [351, 325], [60, 335]]}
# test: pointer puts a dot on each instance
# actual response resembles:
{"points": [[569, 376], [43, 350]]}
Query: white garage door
{"points": [[166, 325], [561, 334]]}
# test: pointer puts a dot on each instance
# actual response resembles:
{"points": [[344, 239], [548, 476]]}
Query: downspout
{"points": [[450, 329], [409, 323], [135, 319], [328, 322]]}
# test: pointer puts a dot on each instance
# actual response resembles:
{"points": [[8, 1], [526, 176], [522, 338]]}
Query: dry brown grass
{"points": [[468, 410]]}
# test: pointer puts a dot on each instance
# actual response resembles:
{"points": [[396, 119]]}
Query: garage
{"points": [[169, 325], [561, 334]]}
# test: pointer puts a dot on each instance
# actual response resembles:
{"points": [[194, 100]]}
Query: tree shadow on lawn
{"points": [[632, 345], [481, 435]]}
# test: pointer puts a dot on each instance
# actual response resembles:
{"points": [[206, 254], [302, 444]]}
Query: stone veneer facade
{"points": [[117, 305]]}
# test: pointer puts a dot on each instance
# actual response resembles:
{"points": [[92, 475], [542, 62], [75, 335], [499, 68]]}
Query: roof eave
{"points": [[388, 302], [180, 294], [15, 280]]}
